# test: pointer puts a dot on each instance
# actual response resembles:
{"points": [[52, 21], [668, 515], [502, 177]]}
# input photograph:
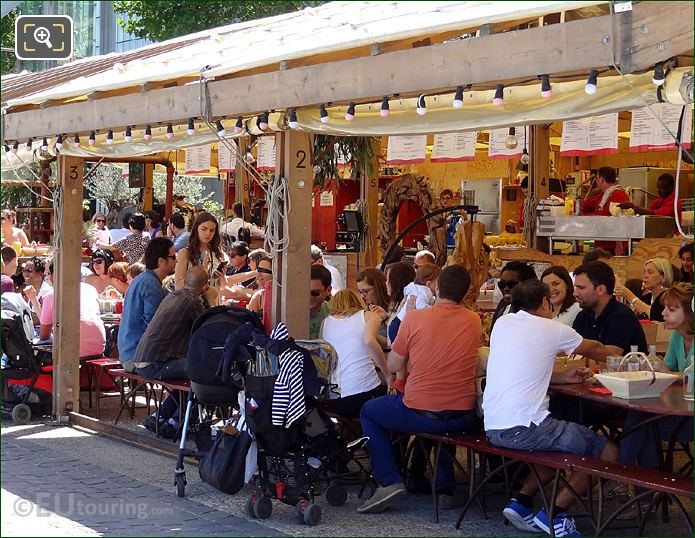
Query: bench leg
{"points": [[478, 488], [621, 509]]}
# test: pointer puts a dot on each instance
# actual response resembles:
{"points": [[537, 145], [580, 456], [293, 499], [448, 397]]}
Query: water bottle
{"points": [[688, 374], [632, 361], [654, 359]]}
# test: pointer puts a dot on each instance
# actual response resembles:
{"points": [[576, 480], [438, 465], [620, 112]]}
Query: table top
{"points": [[670, 402]]}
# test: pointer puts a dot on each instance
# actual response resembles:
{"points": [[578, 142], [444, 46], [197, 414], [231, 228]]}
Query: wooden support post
{"points": [[369, 191], [242, 181], [292, 267], [539, 170], [169, 204], [148, 190], [66, 303]]}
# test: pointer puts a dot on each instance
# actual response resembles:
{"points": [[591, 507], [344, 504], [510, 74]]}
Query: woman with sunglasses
{"points": [[513, 273], [99, 232], [565, 306], [203, 249], [10, 233], [101, 262]]}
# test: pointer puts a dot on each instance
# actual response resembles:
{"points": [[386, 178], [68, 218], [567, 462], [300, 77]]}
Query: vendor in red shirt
{"points": [[663, 205], [600, 203]]}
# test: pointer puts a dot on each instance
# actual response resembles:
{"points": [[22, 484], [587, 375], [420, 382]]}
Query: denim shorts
{"points": [[551, 435]]}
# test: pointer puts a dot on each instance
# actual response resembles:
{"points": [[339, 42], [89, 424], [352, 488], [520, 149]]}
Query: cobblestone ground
{"points": [[67, 481]]}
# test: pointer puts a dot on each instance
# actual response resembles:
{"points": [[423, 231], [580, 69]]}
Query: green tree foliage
{"points": [[189, 186], [7, 28], [159, 20]]}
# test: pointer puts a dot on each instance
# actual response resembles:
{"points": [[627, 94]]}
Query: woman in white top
{"points": [[203, 249], [565, 306], [352, 330], [10, 233]]}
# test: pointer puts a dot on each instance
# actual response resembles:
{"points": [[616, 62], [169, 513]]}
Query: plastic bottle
{"points": [[688, 378], [654, 359], [633, 360]]}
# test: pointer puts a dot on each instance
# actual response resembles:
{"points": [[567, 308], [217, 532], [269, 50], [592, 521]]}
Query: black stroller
{"points": [[22, 362], [209, 335]]}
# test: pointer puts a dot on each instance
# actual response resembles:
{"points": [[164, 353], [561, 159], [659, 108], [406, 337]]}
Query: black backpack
{"points": [[16, 345]]}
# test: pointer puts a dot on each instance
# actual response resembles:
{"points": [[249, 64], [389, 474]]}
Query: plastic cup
{"points": [[613, 363]]}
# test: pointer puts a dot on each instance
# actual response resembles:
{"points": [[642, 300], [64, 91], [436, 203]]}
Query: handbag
{"points": [[224, 466]]}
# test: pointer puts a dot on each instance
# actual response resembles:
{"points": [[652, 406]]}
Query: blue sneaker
{"points": [[562, 524], [521, 517]]}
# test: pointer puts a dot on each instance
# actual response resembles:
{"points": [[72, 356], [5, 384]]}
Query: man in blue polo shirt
{"points": [[143, 297]]}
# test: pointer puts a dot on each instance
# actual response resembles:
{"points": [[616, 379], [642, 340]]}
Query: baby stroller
{"points": [[210, 333], [22, 362], [298, 445]]}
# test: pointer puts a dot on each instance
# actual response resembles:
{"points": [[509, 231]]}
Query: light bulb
{"points": [[148, 133], [591, 83], [498, 100], [109, 137], [658, 79], [385, 109], [92, 138], [263, 124], [525, 157], [325, 118], [421, 107], [44, 144], [59, 142], [220, 128], [29, 143], [190, 131], [248, 157], [77, 141], [458, 97], [128, 134], [350, 114], [239, 125], [7, 149], [293, 123], [15, 147], [511, 142], [170, 131], [546, 89]]}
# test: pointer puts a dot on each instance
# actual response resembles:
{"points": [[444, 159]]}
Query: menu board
{"points": [[648, 134], [406, 149], [326, 199], [590, 136], [266, 153], [198, 159], [454, 147], [227, 158], [498, 149]]}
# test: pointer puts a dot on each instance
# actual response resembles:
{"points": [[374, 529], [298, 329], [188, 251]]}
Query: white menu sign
{"points": [[406, 149], [453, 147], [198, 159], [227, 158], [125, 170], [266, 153], [326, 199], [590, 136], [648, 134], [498, 149]]}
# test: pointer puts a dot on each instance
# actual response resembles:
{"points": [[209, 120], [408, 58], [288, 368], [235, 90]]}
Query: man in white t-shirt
{"points": [[233, 226], [318, 259], [523, 347]]}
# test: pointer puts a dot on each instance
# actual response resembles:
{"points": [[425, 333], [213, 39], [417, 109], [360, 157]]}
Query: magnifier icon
{"points": [[42, 35]]}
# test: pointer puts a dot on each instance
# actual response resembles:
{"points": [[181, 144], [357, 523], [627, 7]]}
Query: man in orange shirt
{"points": [[663, 205], [438, 347], [600, 203]]}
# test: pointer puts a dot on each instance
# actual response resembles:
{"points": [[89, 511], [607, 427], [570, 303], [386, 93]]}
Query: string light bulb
{"points": [[263, 124], [659, 78], [239, 125], [293, 123], [421, 107], [44, 144], [109, 137], [457, 102], [511, 142], [546, 88], [92, 138], [59, 142], [220, 128], [385, 108], [350, 114], [170, 131], [591, 83], [498, 100], [128, 134], [29, 143], [525, 157], [7, 149], [190, 131], [325, 118], [15, 147], [76, 140], [148, 133]]}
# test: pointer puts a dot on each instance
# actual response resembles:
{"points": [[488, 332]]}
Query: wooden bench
{"points": [[96, 368], [136, 383]]}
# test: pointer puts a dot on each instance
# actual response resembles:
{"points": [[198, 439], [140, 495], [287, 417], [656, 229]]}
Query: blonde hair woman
{"points": [[657, 276], [353, 330]]}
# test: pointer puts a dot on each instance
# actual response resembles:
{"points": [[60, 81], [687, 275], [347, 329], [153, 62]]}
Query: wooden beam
{"points": [[557, 48], [242, 181], [539, 167], [369, 191], [148, 189], [291, 298], [66, 303]]}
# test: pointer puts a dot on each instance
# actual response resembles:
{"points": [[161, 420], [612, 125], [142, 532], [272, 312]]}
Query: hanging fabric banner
{"points": [[648, 134], [597, 135], [198, 159], [227, 158], [454, 147], [406, 149], [498, 143], [266, 153], [126, 170]]}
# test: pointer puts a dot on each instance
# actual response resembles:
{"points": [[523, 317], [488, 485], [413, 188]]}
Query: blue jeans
{"points": [[380, 415], [160, 371], [640, 446]]}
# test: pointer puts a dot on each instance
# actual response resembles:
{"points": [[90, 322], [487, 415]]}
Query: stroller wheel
{"points": [[263, 507], [21, 413], [312, 514], [180, 482], [250, 510], [299, 512], [336, 495]]}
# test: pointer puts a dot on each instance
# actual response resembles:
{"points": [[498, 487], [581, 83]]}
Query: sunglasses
{"points": [[315, 293], [101, 220], [25, 270], [507, 284], [98, 261], [171, 257]]}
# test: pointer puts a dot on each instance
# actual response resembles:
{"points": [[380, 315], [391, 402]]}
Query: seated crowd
{"points": [[407, 345]]}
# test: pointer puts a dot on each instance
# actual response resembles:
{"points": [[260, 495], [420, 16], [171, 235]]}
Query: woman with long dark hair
{"points": [[203, 249], [101, 261], [565, 306]]}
